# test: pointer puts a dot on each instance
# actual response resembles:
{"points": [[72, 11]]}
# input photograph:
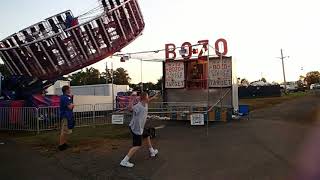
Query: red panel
{"points": [[16, 112]]}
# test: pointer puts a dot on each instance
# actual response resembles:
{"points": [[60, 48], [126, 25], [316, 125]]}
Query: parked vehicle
{"points": [[315, 86], [291, 87]]}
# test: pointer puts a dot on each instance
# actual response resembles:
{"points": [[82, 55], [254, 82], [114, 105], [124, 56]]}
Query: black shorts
{"points": [[137, 139]]}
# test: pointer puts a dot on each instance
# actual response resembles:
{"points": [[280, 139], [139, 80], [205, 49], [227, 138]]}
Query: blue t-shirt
{"points": [[65, 112], [69, 20]]}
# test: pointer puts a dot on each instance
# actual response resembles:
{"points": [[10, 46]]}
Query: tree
{"points": [[135, 87], [93, 76], [313, 77], [148, 86], [107, 76], [244, 82], [121, 77], [302, 78], [263, 80], [4, 71], [159, 84], [300, 84], [89, 77]]}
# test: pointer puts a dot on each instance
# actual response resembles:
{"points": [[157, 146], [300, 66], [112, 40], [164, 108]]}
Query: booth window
{"points": [[196, 74]]}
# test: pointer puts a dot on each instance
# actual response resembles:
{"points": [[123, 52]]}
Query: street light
{"points": [[126, 57], [141, 75], [112, 81]]}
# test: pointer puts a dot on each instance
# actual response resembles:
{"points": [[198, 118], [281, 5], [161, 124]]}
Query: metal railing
{"points": [[48, 118], [19, 119]]}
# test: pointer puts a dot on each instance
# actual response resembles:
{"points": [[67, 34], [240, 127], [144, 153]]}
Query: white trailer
{"points": [[88, 90]]}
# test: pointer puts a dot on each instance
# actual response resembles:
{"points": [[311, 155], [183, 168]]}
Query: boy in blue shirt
{"points": [[66, 115]]}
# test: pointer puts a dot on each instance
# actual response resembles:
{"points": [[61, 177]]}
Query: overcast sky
{"points": [[255, 30]]}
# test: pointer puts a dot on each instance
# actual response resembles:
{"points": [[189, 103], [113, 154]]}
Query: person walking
{"points": [[66, 114]]}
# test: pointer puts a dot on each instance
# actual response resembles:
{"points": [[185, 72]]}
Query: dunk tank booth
{"points": [[190, 83]]}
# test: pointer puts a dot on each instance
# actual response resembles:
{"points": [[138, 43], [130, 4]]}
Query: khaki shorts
{"points": [[64, 127]]}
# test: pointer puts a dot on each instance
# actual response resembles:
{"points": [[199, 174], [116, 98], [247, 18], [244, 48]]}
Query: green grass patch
{"points": [[297, 94], [260, 103], [81, 139]]}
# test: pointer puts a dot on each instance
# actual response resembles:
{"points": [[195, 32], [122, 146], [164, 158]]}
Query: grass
{"points": [[82, 139], [260, 103]]}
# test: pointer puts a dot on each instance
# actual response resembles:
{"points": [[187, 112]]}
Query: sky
{"points": [[255, 31]]}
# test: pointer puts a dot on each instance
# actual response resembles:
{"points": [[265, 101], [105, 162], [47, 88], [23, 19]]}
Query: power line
{"points": [[91, 11], [150, 51]]}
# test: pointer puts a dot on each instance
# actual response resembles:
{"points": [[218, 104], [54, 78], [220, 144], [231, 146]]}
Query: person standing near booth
{"points": [[66, 115]]}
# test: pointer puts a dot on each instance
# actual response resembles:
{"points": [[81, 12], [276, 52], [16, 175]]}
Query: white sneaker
{"points": [[126, 164], [154, 153]]}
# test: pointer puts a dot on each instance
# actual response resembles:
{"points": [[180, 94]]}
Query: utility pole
{"points": [[112, 88], [141, 75], [107, 80], [283, 69], [0, 83]]}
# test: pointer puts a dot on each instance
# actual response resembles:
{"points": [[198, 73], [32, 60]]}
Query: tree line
{"points": [[312, 77], [92, 76]]}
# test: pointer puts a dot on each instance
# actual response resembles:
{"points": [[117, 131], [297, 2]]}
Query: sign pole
{"points": [[208, 88], [221, 81], [107, 80], [112, 88], [141, 75]]}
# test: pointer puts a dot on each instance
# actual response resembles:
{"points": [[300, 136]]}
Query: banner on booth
{"points": [[174, 73], [124, 101], [197, 119], [118, 119], [220, 72]]}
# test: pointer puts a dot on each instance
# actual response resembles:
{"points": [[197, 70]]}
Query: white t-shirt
{"points": [[139, 118]]}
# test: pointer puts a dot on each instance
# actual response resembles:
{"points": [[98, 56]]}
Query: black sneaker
{"points": [[67, 146], [63, 147]]}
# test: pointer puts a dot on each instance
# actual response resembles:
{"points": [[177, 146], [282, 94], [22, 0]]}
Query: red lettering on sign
{"points": [[204, 48], [170, 49], [225, 47], [189, 47]]}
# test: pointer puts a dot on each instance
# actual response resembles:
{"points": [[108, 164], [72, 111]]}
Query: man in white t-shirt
{"points": [[138, 121]]}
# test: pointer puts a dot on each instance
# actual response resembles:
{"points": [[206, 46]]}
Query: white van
{"points": [[315, 86]]}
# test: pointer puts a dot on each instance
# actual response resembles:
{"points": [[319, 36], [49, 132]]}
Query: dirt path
{"points": [[263, 148], [20, 162]]}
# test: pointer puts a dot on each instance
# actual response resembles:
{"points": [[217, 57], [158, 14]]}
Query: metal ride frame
{"points": [[64, 51], [41, 119]]}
